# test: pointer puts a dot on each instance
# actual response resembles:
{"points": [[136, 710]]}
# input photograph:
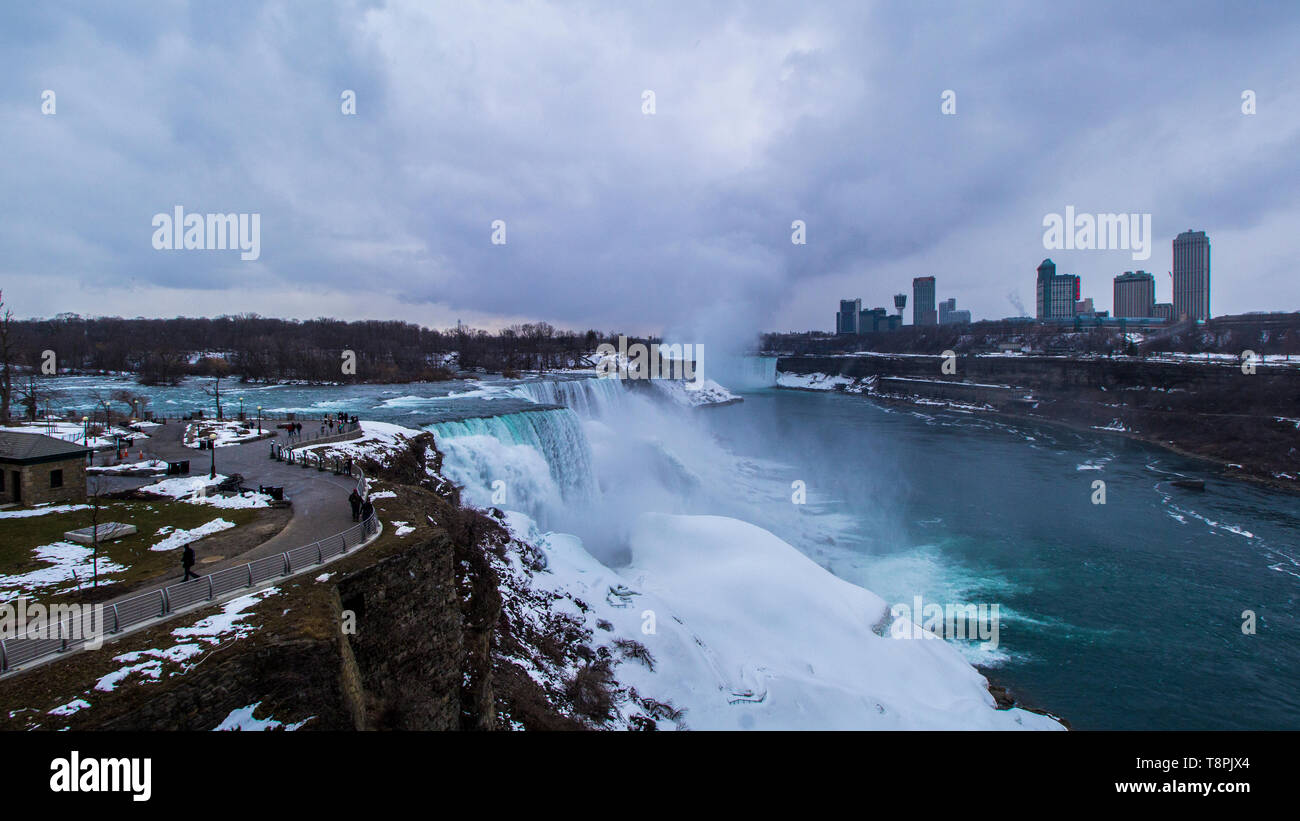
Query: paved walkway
{"points": [[320, 499]]}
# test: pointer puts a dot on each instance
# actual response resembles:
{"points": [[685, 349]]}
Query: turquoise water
{"points": [[1125, 615]]}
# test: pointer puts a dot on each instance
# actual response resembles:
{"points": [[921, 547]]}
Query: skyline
{"points": [[674, 222]]}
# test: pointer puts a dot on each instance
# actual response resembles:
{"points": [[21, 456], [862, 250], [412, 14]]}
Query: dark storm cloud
{"points": [[532, 114]]}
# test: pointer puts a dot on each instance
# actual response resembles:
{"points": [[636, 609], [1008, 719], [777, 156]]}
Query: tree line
{"points": [[252, 347]]}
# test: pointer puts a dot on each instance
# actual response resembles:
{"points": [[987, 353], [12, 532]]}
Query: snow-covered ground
{"points": [[198, 490], [64, 563], [175, 538], [243, 719], [812, 381], [708, 393], [147, 466], [228, 433], [40, 511], [75, 432], [745, 632]]}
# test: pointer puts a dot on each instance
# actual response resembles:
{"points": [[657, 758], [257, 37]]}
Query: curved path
{"points": [[320, 499]]}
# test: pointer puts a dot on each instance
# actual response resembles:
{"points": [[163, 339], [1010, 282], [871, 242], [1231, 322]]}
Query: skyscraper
{"points": [[846, 321], [923, 312], [1056, 294], [1046, 272], [1135, 294], [1192, 275]]}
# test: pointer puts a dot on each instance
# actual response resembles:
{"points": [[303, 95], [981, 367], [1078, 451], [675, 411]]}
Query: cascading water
{"points": [[531, 460], [589, 398], [744, 372]]}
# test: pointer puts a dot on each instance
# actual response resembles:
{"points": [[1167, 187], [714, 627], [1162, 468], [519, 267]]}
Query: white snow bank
{"points": [[812, 381], [65, 562], [748, 633], [180, 538], [41, 511], [709, 392], [184, 486]]}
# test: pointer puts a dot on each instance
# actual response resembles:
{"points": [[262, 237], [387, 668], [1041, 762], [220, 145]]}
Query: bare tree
{"points": [[218, 369], [35, 393], [6, 358]]}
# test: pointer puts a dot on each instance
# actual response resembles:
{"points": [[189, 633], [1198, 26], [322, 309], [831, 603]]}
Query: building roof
{"points": [[36, 447]]}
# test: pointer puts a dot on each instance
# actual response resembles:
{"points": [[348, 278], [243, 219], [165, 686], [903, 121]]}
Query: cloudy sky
{"points": [[676, 220]]}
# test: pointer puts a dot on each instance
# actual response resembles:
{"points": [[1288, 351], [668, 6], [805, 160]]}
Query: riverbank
{"points": [[1242, 423]]}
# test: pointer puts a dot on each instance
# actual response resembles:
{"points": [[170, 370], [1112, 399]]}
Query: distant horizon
{"points": [[683, 171]]}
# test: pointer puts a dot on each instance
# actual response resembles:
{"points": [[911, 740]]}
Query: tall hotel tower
{"points": [[1192, 275]]}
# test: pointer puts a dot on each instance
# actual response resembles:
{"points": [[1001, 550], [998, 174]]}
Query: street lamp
{"points": [[85, 438], [241, 408], [259, 420], [212, 446]]}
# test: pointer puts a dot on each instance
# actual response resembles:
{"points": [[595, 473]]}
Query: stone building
{"points": [[38, 469]]}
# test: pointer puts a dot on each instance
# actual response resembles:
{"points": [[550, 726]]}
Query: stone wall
{"points": [[35, 482]]}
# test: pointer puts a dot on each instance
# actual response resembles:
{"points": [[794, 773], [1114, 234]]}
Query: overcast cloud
{"points": [[531, 113]]}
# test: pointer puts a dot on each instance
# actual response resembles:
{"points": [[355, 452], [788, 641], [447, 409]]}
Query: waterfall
{"points": [[589, 398], [755, 372], [530, 460]]}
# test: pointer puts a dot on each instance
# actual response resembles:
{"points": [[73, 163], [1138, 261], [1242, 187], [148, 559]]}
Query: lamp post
{"points": [[212, 446], [241, 408], [259, 420], [85, 438]]}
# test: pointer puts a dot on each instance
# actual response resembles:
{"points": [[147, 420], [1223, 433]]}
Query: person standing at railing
{"points": [[354, 499], [367, 510]]}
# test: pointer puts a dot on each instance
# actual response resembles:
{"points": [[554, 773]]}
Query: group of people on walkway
{"points": [[362, 509]]}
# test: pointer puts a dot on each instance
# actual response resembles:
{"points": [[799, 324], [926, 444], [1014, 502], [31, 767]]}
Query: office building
{"points": [[1056, 295], [949, 315], [1163, 310], [923, 311], [1192, 275], [846, 321], [1135, 295]]}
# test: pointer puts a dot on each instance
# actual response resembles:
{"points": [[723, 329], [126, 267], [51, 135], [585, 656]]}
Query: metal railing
{"points": [[67, 635]]}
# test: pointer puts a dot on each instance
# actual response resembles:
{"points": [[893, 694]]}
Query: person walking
{"points": [[354, 499], [187, 562], [367, 510]]}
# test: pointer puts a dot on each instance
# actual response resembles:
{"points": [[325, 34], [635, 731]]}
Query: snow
{"points": [[148, 664], [812, 381], [150, 465], [383, 494], [180, 538], [65, 562], [228, 433], [41, 511], [230, 621], [194, 490], [242, 718], [402, 528], [184, 486], [70, 708], [75, 432], [709, 392], [747, 633]]}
